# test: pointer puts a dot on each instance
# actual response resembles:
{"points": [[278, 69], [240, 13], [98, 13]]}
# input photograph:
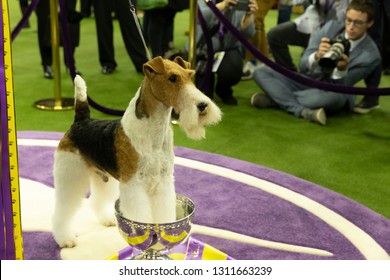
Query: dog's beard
{"points": [[189, 123], [193, 123], [192, 119]]}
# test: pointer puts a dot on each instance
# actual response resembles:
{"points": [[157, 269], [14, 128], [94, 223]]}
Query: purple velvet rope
{"points": [[290, 74], [7, 212], [24, 19], [210, 51], [66, 39], [71, 63]]}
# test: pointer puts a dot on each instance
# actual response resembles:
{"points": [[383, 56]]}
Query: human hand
{"points": [[247, 18], [323, 48], [252, 7], [225, 4], [342, 64]]}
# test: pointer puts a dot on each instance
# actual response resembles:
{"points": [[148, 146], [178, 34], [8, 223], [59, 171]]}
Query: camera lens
{"points": [[329, 60]]}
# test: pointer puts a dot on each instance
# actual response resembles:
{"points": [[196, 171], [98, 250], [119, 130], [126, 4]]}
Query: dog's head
{"points": [[170, 82]]}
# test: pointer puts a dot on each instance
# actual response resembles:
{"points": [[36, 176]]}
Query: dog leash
{"points": [[132, 10], [115, 112]]}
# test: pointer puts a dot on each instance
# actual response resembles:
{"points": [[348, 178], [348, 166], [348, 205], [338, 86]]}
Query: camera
{"points": [[340, 46], [242, 5]]}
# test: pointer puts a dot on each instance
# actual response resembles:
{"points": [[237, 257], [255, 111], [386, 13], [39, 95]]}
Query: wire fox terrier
{"points": [[134, 152]]}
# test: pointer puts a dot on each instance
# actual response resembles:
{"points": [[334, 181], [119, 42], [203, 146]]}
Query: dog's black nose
{"points": [[202, 106]]}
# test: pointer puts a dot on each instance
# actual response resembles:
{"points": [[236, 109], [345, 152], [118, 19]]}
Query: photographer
{"points": [[312, 103], [229, 47], [298, 31]]}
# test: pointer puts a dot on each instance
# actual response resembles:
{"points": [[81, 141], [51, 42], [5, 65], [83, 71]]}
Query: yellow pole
{"points": [[58, 103], [55, 46], [12, 139], [192, 34]]}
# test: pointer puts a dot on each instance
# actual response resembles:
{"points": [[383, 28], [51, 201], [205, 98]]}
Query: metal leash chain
{"points": [[132, 10]]}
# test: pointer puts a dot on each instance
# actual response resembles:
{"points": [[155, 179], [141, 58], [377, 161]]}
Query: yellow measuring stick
{"points": [[12, 141]]}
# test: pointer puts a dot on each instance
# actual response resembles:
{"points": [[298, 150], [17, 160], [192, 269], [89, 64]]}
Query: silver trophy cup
{"points": [[156, 240]]}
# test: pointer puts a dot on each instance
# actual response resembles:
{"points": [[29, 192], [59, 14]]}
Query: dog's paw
{"points": [[66, 241], [109, 223], [107, 220], [69, 244]]}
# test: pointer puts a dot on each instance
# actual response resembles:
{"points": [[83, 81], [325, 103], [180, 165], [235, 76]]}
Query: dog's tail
{"points": [[80, 99]]}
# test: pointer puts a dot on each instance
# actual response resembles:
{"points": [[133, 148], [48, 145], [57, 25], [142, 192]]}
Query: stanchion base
{"points": [[55, 105]]}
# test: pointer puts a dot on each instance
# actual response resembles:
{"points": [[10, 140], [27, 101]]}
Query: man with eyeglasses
{"points": [[312, 103], [379, 33]]}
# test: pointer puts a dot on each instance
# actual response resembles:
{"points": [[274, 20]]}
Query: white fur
{"points": [[149, 195], [80, 88], [70, 192], [193, 123]]}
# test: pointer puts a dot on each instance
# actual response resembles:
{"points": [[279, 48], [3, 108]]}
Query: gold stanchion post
{"points": [[58, 103], [192, 33]]}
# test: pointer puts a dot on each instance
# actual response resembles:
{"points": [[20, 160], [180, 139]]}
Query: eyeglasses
{"points": [[357, 23]]}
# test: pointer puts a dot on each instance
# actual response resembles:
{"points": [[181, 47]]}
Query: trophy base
{"points": [[149, 256]]}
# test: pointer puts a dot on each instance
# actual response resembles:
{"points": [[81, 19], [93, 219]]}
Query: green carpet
{"points": [[351, 155]]}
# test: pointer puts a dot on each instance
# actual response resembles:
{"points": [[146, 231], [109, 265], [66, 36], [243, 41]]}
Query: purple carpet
{"points": [[228, 204]]}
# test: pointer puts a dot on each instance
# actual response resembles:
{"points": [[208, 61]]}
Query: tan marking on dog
{"points": [[146, 103], [163, 89], [140, 111], [183, 63], [127, 156], [67, 145]]}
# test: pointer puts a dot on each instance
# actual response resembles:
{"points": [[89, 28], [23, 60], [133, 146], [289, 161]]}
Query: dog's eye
{"points": [[172, 78]]}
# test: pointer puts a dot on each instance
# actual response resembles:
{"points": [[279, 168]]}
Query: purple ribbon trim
{"points": [[125, 253], [7, 249], [290, 74], [194, 250]]}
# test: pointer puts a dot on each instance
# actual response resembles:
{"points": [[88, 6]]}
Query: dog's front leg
{"points": [[164, 201], [135, 203]]}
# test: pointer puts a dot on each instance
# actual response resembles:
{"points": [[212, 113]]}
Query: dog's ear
{"points": [[155, 65], [182, 62]]}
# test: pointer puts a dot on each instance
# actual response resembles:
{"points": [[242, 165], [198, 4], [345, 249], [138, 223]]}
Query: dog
{"points": [[131, 158]]}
